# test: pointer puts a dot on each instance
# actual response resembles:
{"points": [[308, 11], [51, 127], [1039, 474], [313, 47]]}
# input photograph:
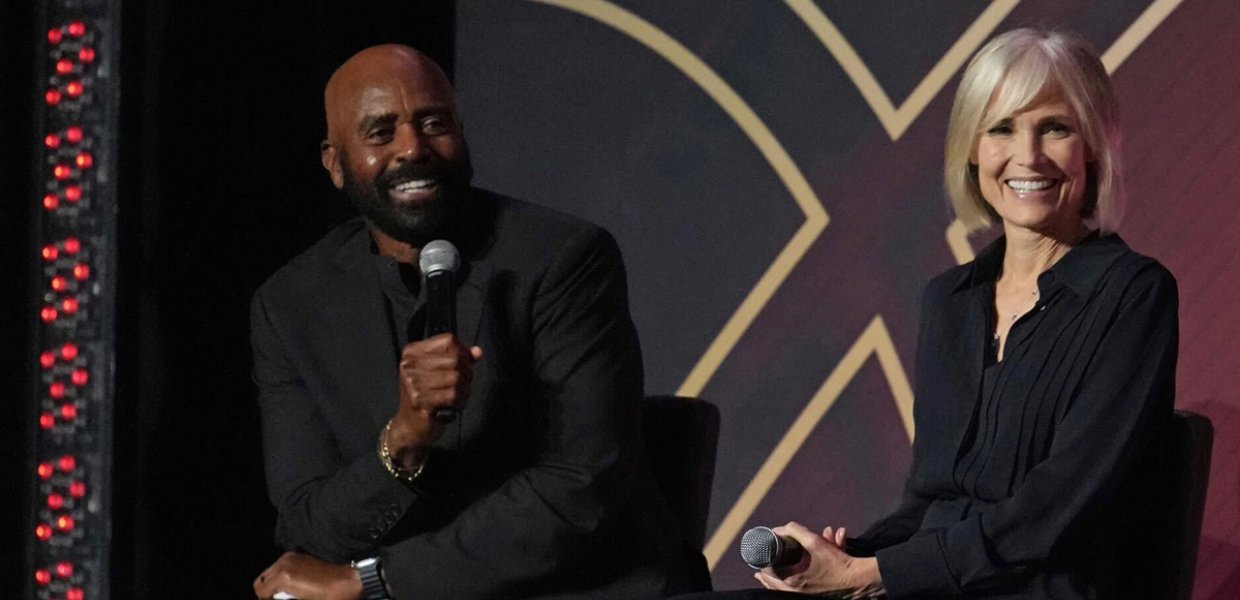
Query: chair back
{"points": [[681, 436], [1192, 437]]}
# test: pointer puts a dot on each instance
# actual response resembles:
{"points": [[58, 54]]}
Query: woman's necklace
{"points": [[1016, 315]]}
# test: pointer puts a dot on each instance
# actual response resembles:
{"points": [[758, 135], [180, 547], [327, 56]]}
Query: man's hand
{"points": [[435, 373], [308, 578]]}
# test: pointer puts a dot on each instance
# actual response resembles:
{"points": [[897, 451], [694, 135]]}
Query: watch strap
{"points": [[373, 587]]}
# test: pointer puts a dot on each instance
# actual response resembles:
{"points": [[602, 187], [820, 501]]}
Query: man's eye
{"points": [[381, 133], [435, 125]]}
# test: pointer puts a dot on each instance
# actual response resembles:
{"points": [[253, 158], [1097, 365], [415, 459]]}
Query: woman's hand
{"points": [[824, 566]]}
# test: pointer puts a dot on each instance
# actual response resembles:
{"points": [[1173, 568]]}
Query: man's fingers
{"points": [[430, 363], [432, 345], [265, 584]]}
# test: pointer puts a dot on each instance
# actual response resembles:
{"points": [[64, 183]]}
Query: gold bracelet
{"points": [[385, 457]]}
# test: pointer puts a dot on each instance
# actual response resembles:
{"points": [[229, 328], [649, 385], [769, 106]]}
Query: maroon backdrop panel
{"points": [[614, 111]]}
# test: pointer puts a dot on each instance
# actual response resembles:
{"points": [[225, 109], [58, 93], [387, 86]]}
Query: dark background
{"points": [[219, 184]]}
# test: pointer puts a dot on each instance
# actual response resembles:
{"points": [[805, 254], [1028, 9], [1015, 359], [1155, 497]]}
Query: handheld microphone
{"points": [[761, 547], [439, 261]]}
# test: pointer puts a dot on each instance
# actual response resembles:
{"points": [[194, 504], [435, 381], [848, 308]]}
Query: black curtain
{"points": [[220, 184], [17, 44]]}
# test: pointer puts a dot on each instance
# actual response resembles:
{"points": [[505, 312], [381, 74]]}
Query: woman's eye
{"points": [[1000, 129], [1055, 129]]}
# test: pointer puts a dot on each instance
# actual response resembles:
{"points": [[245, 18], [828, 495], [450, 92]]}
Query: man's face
{"points": [[395, 145]]}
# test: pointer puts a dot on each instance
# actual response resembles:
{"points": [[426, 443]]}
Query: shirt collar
{"points": [[1080, 269]]}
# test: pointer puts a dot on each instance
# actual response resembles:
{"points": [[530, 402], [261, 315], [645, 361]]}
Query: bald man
{"points": [[539, 487]]}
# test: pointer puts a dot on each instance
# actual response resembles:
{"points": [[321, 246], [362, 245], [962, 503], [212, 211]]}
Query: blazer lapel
{"points": [[471, 302], [358, 337]]}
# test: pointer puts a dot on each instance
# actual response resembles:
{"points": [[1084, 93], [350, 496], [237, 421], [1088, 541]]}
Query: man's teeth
{"points": [[416, 185], [1029, 186]]}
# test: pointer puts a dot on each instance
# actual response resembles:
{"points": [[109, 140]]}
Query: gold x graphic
{"points": [[875, 340]]}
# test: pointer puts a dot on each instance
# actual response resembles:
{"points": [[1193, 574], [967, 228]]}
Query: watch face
{"points": [[365, 562]]}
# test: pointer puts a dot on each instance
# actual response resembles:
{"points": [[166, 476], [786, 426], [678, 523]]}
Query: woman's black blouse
{"points": [[1031, 475]]}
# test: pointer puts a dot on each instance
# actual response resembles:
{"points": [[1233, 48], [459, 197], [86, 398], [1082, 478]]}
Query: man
{"points": [[539, 486]]}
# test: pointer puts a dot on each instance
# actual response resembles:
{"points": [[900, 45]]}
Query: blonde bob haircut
{"points": [[1013, 72]]}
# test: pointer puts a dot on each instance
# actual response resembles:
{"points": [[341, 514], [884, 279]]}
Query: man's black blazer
{"points": [[540, 488]]}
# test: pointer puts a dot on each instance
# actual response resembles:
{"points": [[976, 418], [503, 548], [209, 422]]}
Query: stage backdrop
{"points": [[772, 172]]}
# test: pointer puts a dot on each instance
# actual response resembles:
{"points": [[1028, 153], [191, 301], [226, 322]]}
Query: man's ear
{"points": [[331, 162]]}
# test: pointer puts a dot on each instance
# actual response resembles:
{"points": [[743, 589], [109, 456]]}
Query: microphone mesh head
{"points": [[760, 547], [439, 255]]}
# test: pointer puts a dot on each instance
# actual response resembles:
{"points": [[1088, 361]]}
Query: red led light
{"points": [[54, 36], [56, 390], [59, 283], [73, 134], [52, 97], [85, 160], [55, 501], [64, 523], [73, 193], [52, 141], [64, 66], [86, 54], [74, 594], [47, 421], [45, 470], [67, 463], [69, 305], [42, 576], [64, 570], [80, 377], [48, 314], [77, 29], [72, 245], [43, 532], [74, 88], [62, 172], [49, 252], [51, 202], [69, 351], [47, 360], [77, 489], [81, 271], [68, 412]]}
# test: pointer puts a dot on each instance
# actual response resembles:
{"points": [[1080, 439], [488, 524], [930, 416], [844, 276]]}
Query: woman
{"points": [[1045, 368]]}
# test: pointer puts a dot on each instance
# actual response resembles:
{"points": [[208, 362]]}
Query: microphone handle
{"points": [[441, 318], [440, 303], [790, 554]]}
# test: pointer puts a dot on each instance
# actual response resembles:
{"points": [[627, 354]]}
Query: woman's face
{"points": [[1031, 167]]}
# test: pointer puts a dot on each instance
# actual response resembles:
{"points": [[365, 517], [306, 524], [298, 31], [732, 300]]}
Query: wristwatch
{"points": [[372, 581]]}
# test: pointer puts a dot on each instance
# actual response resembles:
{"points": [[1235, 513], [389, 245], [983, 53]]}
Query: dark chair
{"points": [[1191, 440], [681, 435]]}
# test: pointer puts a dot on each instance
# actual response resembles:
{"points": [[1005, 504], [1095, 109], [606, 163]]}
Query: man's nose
{"points": [[410, 145]]}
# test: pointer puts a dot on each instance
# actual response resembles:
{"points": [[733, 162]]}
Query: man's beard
{"points": [[419, 223]]}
